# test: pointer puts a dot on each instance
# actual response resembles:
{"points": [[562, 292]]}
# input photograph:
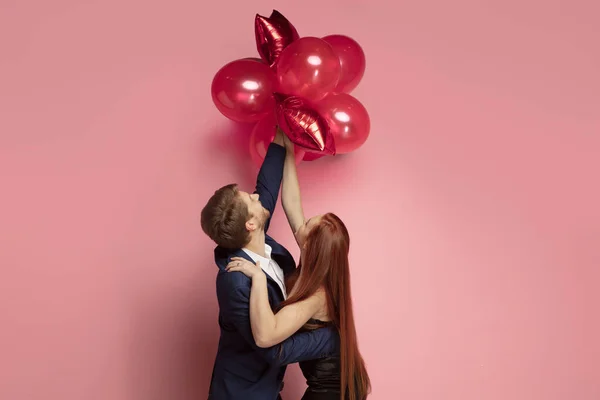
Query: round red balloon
{"points": [[352, 60], [243, 90], [262, 135], [348, 121], [260, 60], [308, 68]]}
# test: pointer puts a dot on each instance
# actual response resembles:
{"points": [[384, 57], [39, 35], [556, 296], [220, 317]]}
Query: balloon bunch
{"points": [[301, 85]]}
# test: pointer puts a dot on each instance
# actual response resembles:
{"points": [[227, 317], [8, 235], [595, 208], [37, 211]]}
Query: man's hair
{"points": [[224, 218]]}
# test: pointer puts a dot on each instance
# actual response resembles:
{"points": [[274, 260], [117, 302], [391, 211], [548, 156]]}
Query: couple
{"points": [[271, 313]]}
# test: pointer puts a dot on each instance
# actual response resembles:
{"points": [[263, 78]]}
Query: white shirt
{"points": [[270, 267]]}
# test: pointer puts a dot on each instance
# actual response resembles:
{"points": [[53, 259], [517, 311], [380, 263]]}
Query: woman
{"points": [[319, 295]]}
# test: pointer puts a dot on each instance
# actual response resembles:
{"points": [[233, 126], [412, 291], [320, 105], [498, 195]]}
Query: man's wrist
{"points": [[278, 139]]}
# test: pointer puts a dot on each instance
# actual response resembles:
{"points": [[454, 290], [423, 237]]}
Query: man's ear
{"points": [[251, 225]]}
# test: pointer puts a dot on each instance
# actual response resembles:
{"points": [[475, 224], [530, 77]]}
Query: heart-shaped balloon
{"points": [[303, 124], [273, 34]]}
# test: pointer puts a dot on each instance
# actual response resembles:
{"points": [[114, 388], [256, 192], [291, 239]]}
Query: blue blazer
{"points": [[242, 370]]}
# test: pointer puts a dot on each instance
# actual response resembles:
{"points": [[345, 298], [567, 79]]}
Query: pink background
{"points": [[473, 207]]}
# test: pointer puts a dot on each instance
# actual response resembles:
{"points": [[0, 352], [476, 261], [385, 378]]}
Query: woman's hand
{"points": [[244, 266], [289, 146]]}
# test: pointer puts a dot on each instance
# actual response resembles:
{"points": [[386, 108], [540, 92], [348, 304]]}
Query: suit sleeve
{"points": [[304, 346], [269, 178]]}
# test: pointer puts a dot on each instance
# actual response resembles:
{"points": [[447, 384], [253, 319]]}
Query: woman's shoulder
{"points": [[320, 297]]}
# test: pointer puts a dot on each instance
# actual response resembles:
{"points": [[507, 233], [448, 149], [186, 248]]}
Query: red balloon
{"points": [[309, 156], [304, 125], [273, 34], [262, 135], [352, 59], [243, 90], [260, 60], [348, 121], [308, 68]]}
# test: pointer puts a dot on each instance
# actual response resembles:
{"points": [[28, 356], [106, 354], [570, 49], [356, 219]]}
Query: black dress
{"points": [[322, 375]]}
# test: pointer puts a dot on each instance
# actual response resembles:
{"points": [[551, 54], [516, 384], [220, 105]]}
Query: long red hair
{"points": [[325, 264]]}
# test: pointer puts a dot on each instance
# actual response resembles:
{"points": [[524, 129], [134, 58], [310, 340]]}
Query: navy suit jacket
{"points": [[242, 370]]}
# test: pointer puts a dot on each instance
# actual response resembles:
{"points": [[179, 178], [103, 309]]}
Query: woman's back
{"points": [[322, 375], [324, 272]]}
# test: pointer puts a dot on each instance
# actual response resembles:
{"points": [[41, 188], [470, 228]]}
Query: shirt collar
{"points": [[255, 257]]}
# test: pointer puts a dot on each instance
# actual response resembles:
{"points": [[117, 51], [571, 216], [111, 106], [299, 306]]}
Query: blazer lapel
{"points": [[270, 281], [283, 257]]}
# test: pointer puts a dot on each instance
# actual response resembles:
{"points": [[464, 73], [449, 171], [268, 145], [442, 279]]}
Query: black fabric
{"points": [[322, 374]]}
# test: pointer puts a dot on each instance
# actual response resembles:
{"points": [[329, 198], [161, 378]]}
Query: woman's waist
{"points": [[322, 373]]}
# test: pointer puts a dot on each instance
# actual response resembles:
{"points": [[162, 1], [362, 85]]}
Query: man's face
{"points": [[258, 214]]}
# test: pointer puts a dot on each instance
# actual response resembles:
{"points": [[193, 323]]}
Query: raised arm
{"points": [[290, 191], [268, 328], [269, 177], [234, 304]]}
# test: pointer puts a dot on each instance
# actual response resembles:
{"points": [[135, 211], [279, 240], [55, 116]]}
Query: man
{"points": [[238, 221]]}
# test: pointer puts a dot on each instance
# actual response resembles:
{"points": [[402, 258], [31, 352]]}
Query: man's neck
{"points": [[257, 243]]}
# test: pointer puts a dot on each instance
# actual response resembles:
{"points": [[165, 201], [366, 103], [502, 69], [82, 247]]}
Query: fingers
{"points": [[236, 261], [234, 264], [238, 266], [242, 261]]}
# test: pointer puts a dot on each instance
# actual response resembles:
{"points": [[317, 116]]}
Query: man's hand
{"points": [[278, 139]]}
